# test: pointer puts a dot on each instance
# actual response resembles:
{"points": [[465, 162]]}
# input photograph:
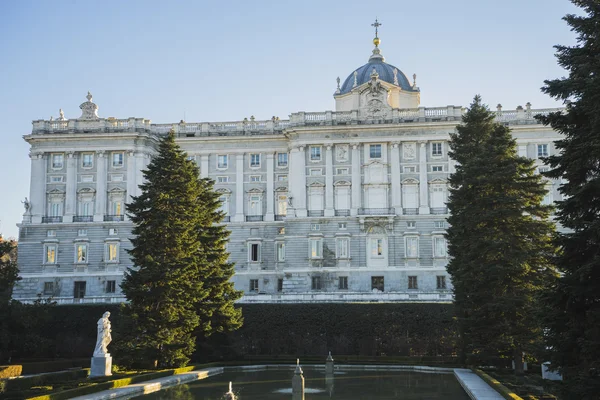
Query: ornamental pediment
{"points": [[410, 181]]}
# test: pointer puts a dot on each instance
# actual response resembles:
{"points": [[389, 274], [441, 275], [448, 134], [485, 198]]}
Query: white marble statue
{"points": [[104, 337]]}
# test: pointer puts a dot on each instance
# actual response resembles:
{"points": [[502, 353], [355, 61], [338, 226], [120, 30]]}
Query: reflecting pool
{"points": [[344, 385]]}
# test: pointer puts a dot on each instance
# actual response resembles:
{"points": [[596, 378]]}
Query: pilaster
{"points": [[297, 179], [270, 215], [71, 195], [204, 165], [100, 186], [37, 188], [131, 165], [239, 187], [329, 206], [356, 180], [395, 174], [423, 184]]}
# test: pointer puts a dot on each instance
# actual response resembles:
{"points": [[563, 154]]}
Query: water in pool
{"points": [[349, 385]]}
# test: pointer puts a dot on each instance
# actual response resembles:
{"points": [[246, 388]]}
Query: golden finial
{"points": [[376, 40]]}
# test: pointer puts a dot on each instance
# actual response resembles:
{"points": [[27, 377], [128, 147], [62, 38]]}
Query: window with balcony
{"points": [[375, 151], [436, 149], [118, 159], [254, 160], [58, 161], [282, 160]]}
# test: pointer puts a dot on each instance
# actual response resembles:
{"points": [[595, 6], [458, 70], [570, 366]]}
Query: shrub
{"points": [[9, 371]]}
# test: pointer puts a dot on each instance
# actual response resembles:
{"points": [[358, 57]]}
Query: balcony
{"points": [[342, 213], [316, 213], [254, 218], [410, 211], [51, 220], [280, 217], [83, 218], [439, 210], [114, 218], [376, 211]]}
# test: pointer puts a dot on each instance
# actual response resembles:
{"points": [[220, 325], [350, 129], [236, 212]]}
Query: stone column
{"points": [[396, 188], [204, 165], [239, 188], [297, 180], [329, 201], [131, 166], [100, 186], [270, 215], [423, 184], [356, 180], [37, 188], [71, 195], [140, 165]]}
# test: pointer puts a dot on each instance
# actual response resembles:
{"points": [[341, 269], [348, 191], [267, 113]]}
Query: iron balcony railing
{"points": [[114, 218], [410, 211], [439, 210], [280, 217], [83, 218], [254, 218], [376, 211], [342, 213], [316, 213], [50, 220]]}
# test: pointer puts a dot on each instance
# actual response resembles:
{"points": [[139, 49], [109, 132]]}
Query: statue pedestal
{"points": [[101, 365]]}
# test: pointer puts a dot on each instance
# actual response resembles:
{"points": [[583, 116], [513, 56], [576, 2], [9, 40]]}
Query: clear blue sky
{"points": [[226, 60]]}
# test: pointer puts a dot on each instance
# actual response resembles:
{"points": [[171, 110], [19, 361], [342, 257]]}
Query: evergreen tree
{"points": [[573, 313], [499, 240], [181, 286], [9, 273]]}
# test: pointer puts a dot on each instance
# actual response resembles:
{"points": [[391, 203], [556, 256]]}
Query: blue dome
{"points": [[385, 71]]}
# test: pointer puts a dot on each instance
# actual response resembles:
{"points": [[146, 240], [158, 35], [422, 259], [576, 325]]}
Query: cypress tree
{"points": [[499, 240], [573, 313], [181, 283]]}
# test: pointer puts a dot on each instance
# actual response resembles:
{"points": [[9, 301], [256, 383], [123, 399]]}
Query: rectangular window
{"points": [[116, 177], [282, 159], [341, 171], [436, 149], [375, 151], [87, 178], [280, 285], [377, 282], [437, 168], [280, 252], [315, 227], [281, 231], [441, 282], [81, 255], [50, 254], [412, 282], [316, 283], [191, 158], [254, 285], [56, 179], [315, 153], [112, 252], [542, 150], [117, 207], [439, 224], [412, 247], [376, 247], [222, 179], [343, 283], [254, 252], [439, 247], [118, 159], [87, 160], [51, 233], [541, 170], [79, 289], [316, 248], [222, 161], [58, 161], [255, 160], [48, 288], [316, 172], [409, 170], [342, 247], [342, 225], [282, 178], [55, 209], [254, 178], [82, 232], [411, 224], [111, 286]]}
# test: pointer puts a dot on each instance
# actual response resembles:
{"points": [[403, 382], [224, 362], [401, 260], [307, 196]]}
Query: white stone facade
{"points": [[325, 206]]}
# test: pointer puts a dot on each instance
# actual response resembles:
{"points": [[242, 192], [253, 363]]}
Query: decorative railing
{"points": [[439, 210], [254, 218], [251, 126], [376, 211], [342, 213], [316, 213], [51, 220], [83, 218], [410, 211], [280, 217], [114, 218]]}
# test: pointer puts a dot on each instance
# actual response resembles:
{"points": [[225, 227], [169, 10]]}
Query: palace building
{"points": [[330, 206]]}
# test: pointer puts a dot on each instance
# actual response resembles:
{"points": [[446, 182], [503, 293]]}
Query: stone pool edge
{"points": [[470, 382]]}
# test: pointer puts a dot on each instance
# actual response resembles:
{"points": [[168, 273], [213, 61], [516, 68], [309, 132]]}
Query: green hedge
{"points": [[498, 387], [117, 383], [40, 367], [386, 329], [27, 382], [9, 371]]}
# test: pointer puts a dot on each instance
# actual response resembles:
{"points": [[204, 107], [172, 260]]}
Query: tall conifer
{"points": [[181, 286], [499, 239], [573, 313]]}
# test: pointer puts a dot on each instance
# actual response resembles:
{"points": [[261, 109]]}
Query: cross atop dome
{"points": [[376, 24]]}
